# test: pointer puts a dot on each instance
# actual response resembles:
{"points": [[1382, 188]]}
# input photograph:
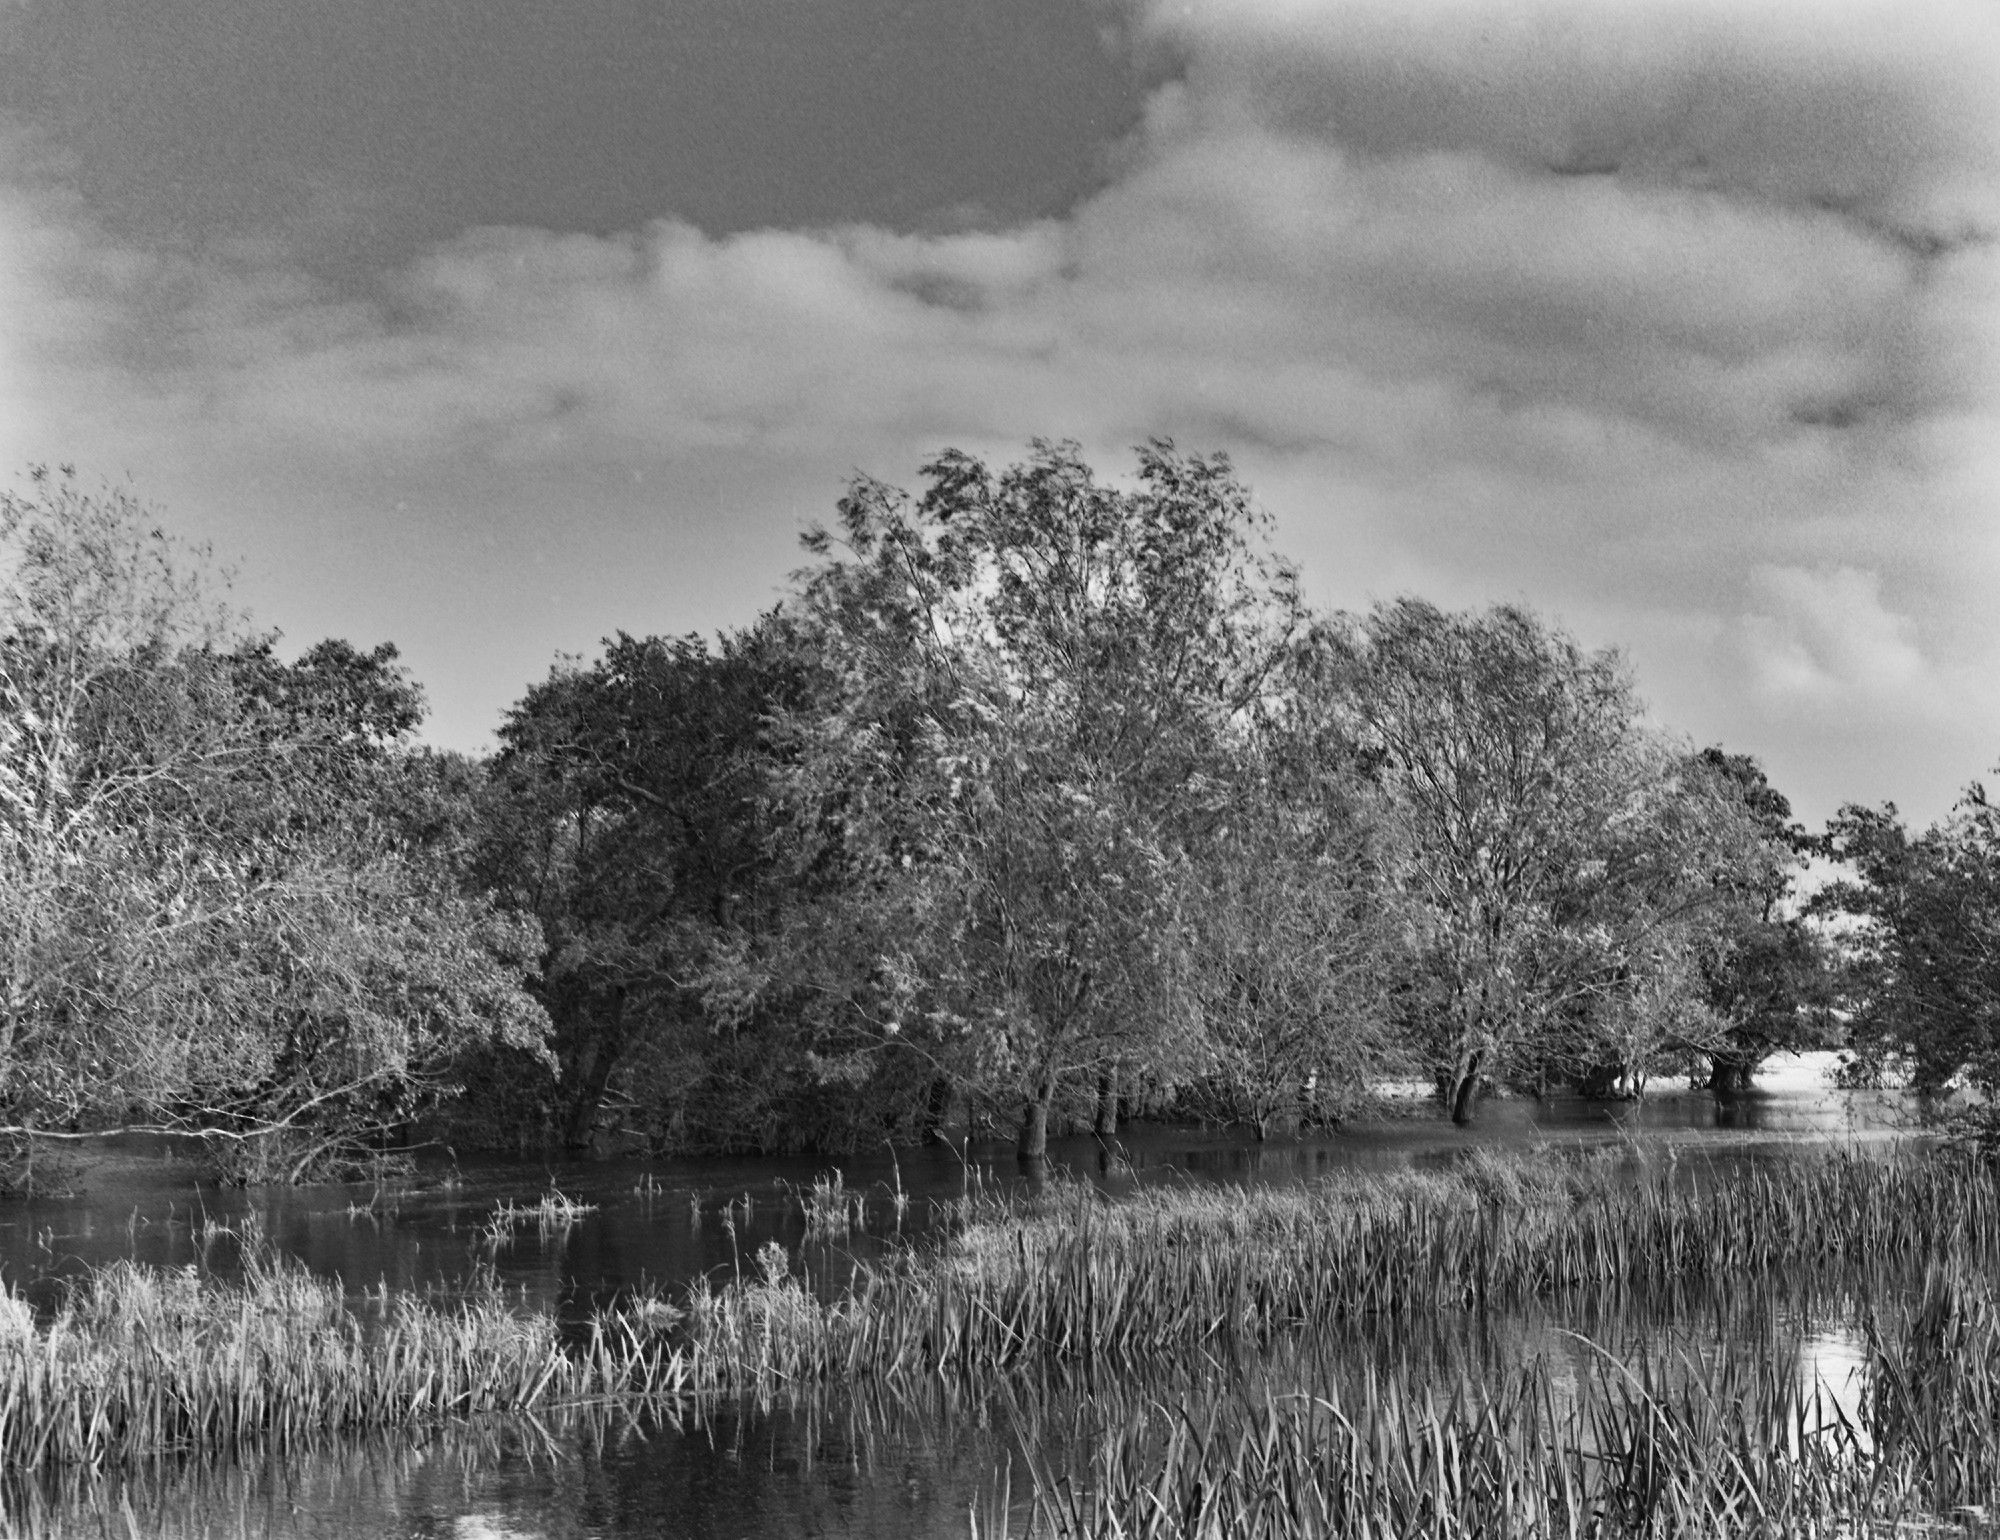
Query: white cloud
{"points": [[1717, 394], [1826, 635]]}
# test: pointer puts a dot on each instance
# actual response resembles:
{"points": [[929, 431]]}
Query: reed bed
{"points": [[139, 1361], [1071, 1277], [1661, 1446]]}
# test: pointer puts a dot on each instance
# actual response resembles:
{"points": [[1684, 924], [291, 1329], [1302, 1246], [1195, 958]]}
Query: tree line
{"points": [[1037, 801]]}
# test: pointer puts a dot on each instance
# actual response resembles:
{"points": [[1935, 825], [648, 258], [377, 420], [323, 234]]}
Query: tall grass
{"points": [[138, 1361], [1934, 1384], [1071, 1277], [553, 1212], [1660, 1446], [1659, 1437], [832, 1211]]}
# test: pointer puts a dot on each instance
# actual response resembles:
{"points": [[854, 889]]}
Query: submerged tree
{"points": [[1557, 857], [1768, 977], [213, 911], [1925, 987], [1042, 683]]}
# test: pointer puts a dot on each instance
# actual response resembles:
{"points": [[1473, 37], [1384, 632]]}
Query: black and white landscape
{"points": [[1091, 768]]}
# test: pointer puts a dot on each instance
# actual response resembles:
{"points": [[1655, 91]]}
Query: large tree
{"points": [[213, 910], [1043, 683], [1769, 975], [633, 814], [1923, 915], [1555, 855]]}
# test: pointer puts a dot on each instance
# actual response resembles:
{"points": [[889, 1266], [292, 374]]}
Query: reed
{"points": [[553, 1212], [138, 1361], [1068, 1276], [832, 1210], [1067, 1282], [1660, 1446]]}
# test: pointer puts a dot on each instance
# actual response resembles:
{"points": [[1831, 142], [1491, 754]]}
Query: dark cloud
{"points": [[363, 131], [1879, 107], [1626, 314]]}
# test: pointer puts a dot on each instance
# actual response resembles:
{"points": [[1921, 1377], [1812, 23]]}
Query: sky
{"points": [[494, 327]]}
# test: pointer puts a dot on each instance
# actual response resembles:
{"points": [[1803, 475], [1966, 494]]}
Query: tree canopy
{"points": [[220, 910], [1037, 799]]}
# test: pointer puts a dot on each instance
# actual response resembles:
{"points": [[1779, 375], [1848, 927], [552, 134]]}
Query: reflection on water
{"points": [[841, 1467]]}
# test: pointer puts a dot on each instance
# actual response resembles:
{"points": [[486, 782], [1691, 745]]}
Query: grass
{"points": [[551, 1213], [1112, 1295], [1934, 1384], [1071, 1277], [1649, 1444], [139, 1361], [832, 1210], [1663, 1445]]}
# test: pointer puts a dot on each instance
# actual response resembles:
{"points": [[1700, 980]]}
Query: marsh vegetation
{"points": [[1556, 1344]]}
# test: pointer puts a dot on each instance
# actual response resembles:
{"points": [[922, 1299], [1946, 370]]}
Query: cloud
{"points": [[1882, 111], [1679, 323], [1824, 635]]}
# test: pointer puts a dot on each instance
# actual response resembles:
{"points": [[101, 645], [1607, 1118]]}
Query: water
{"points": [[843, 1468]]}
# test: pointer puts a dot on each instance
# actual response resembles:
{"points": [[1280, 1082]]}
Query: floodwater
{"points": [[845, 1467]]}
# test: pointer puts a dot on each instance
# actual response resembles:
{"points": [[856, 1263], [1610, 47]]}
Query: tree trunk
{"points": [[937, 1107], [1466, 1091], [1107, 1104], [592, 1073], [1729, 1077], [1034, 1145]]}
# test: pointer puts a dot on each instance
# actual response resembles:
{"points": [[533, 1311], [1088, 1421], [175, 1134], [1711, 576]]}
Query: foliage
{"points": [[1560, 861], [1043, 679], [1034, 792], [1924, 917], [1769, 976], [227, 888], [1290, 952], [687, 972]]}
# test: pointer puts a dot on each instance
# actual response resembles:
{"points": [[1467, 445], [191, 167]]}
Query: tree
{"points": [[1289, 948], [213, 912], [1554, 851], [1769, 979], [1652, 921], [1042, 680], [631, 818], [114, 704], [1924, 910]]}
